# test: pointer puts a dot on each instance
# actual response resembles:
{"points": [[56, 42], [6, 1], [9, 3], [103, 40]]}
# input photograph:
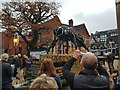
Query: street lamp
{"points": [[15, 41]]}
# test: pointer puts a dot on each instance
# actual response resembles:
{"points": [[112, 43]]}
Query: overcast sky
{"points": [[96, 14]]}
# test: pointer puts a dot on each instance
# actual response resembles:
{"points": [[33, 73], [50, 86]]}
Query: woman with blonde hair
{"points": [[44, 82], [48, 68]]}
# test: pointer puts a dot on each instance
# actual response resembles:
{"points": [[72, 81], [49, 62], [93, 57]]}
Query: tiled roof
{"points": [[79, 27]]}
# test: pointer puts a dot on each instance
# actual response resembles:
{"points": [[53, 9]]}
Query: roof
{"points": [[50, 24], [79, 27], [101, 32], [106, 31]]}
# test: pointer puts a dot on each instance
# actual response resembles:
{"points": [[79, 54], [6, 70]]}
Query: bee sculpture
{"points": [[66, 34]]}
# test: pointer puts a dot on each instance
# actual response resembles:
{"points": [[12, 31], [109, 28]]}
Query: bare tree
{"points": [[27, 18]]}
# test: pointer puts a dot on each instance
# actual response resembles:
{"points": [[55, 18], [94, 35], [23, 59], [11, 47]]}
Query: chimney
{"points": [[55, 16], [71, 23]]}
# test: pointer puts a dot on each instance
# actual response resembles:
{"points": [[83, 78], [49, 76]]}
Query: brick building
{"points": [[45, 37]]}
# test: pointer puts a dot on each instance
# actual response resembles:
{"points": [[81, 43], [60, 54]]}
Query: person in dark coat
{"points": [[11, 59], [20, 60], [88, 78], [6, 73], [16, 61], [110, 60]]}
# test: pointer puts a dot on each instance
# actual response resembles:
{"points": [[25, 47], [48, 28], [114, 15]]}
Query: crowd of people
{"points": [[14, 67], [92, 76]]}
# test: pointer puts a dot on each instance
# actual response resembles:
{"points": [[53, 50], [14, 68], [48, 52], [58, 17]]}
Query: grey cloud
{"points": [[96, 22]]}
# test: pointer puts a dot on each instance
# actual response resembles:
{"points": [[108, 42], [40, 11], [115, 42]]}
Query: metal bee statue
{"points": [[66, 34]]}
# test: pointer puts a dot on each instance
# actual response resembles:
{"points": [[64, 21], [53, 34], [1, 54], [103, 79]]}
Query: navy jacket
{"points": [[110, 58], [85, 79]]}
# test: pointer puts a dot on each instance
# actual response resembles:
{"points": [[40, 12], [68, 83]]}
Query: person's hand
{"points": [[77, 54], [114, 74]]}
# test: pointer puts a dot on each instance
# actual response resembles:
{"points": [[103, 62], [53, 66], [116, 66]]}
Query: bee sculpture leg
{"points": [[59, 46], [52, 45]]}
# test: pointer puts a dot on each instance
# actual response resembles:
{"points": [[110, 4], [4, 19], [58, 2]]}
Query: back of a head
{"points": [[24, 56], [19, 55], [89, 61], [4, 57], [48, 67], [44, 82]]}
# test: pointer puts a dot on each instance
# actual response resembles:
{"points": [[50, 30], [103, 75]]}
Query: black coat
{"points": [[85, 79], [110, 58], [6, 75], [90, 80]]}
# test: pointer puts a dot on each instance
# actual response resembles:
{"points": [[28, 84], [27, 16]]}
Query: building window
{"points": [[114, 34], [103, 38]]}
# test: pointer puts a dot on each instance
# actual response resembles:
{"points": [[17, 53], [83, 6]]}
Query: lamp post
{"points": [[15, 40]]}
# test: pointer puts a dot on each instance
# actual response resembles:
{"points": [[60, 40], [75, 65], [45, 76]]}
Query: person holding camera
{"points": [[92, 76]]}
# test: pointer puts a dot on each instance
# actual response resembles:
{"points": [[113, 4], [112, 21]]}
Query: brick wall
{"points": [[45, 37]]}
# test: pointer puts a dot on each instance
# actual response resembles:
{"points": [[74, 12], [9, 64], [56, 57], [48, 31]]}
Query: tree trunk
{"points": [[30, 44]]}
